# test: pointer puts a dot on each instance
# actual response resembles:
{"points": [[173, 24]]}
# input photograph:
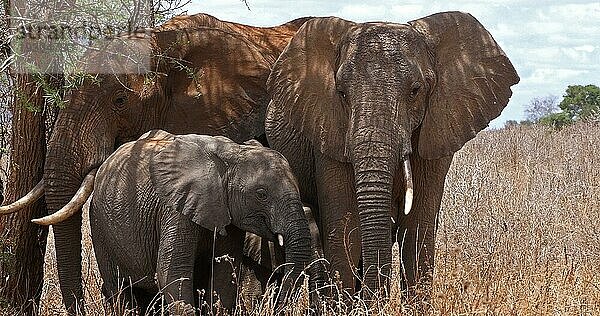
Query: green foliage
{"points": [[556, 120], [579, 103]]}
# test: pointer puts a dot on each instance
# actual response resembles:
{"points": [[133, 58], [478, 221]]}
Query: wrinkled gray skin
{"points": [[158, 200], [351, 101]]}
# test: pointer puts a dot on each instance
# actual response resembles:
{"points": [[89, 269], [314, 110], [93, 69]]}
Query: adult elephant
{"points": [[206, 76], [365, 113]]}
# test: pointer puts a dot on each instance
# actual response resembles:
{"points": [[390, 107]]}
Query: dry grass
{"points": [[517, 233]]}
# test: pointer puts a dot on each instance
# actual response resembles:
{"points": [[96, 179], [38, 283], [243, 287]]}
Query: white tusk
{"points": [[408, 200], [33, 195], [280, 239], [85, 190], [408, 196]]}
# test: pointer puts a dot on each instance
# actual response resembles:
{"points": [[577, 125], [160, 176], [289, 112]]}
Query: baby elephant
{"points": [[158, 200]]}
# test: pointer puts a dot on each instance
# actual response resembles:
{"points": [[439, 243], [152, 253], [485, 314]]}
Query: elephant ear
{"points": [[188, 177], [219, 72], [473, 81], [302, 85]]}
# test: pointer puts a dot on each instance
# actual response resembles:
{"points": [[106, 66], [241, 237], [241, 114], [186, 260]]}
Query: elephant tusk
{"points": [[280, 239], [84, 192], [33, 195], [408, 197]]}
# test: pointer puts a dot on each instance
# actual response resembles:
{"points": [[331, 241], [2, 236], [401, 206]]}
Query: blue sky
{"points": [[552, 44]]}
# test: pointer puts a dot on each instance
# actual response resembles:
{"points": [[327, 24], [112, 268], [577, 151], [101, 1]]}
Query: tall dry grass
{"points": [[520, 225], [518, 234]]}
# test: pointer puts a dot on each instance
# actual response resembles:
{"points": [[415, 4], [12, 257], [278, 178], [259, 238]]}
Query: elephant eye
{"points": [[261, 194], [342, 94], [415, 88], [119, 100]]}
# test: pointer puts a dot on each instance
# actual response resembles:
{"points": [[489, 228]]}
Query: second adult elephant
{"points": [[368, 112], [204, 76]]}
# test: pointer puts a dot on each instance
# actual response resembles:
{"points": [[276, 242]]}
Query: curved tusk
{"points": [[408, 197], [33, 195], [84, 192], [280, 239]]}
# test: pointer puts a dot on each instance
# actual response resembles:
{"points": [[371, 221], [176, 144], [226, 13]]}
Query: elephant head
{"points": [[218, 182], [373, 94], [204, 76]]}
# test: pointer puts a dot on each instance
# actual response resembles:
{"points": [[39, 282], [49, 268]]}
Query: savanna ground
{"points": [[518, 232]]}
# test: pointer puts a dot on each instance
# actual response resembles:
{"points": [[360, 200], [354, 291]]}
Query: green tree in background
{"points": [[580, 103], [557, 120]]}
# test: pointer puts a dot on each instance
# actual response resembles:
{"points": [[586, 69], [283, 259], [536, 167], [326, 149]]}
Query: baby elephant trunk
{"points": [[295, 238]]}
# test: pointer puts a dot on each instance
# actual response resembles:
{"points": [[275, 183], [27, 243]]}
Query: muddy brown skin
{"points": [[223, 92], [158, 200], [352, 101]]}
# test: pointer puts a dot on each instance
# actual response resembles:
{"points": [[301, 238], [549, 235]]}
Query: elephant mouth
{"points": [[276, 237]]}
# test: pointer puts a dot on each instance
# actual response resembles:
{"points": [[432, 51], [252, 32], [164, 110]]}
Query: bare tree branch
{"points": [[539, 107]]}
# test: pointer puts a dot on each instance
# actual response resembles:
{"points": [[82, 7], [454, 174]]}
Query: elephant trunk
{"points": [[377, 142], [74, 149], [296, 243], [374, 196]]}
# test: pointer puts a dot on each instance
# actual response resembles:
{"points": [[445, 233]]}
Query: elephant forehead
{"points": [[390, 40], [263, 164], [266, 157]]}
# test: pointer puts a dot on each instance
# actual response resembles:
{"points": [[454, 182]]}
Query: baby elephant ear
{"points": [[473, 81], [188, 177]]}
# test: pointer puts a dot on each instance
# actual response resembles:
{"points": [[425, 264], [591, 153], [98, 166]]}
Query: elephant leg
{"points": [[110, 275], [105, 260], [225, 285], [416, 232], [339, 218], [109, 272], [176, 258]]}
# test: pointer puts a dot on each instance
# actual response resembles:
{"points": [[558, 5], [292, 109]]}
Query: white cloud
{"points": [[545, 75], [406, 12], [505, 30], [363, 12], [575, 12], [544, 27], [577, 56], [585, 48]]}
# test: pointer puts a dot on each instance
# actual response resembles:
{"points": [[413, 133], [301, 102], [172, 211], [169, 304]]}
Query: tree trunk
{"points": [[22, 242]]}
